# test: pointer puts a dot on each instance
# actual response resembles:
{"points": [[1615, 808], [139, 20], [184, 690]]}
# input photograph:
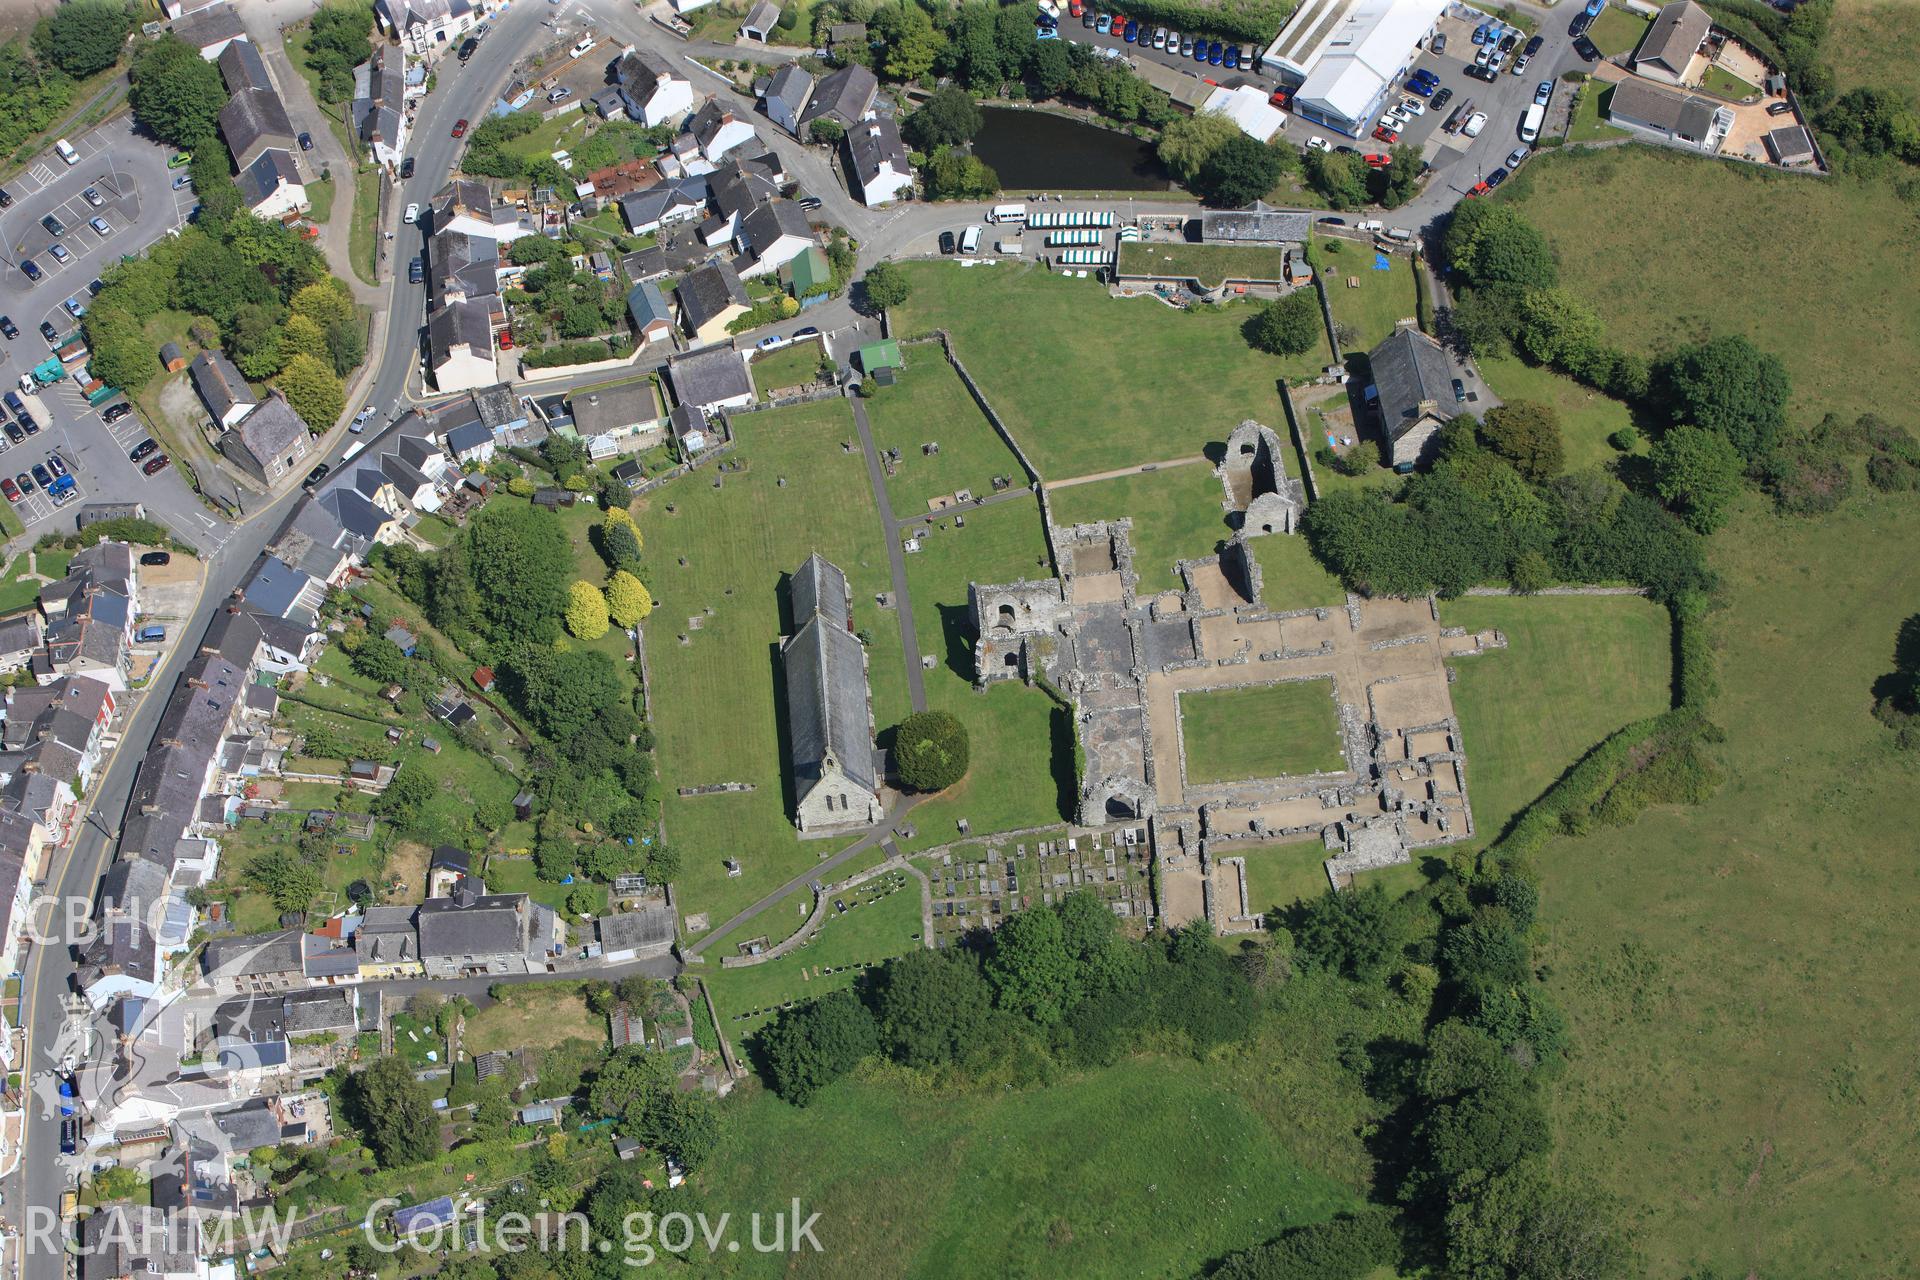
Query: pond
{"points": [[1040, 151]]}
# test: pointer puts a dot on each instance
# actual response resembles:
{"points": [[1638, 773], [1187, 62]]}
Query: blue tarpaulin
{"points": [[1381, 262]]}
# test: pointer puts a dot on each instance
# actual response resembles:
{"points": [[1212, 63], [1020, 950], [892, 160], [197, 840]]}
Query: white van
{"points": [[1008, 213], [970, 241], [66, 151], [1530, 126]]}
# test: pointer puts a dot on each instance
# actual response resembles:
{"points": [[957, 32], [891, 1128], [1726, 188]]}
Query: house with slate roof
{"points": [[270, 443], [1413, 382], [787, 95], [829, 712]]}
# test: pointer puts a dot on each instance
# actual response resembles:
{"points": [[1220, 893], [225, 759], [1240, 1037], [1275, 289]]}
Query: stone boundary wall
{"points": [[1300, 445]]}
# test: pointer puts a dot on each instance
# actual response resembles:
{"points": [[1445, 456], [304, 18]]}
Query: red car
{"points": [[1076, 8], [1386, 135], [1479, 189], [156, 464], [9, 488], [460, 129], [1377, 160], [1280, 98]]}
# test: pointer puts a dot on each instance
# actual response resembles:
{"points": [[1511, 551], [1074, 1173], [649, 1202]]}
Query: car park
{"points": [[1780, 109], [30, 269], [54, 226], [156, 464], [93, 197], [9, 328], [115, 412], [154, 559], [142, 449]]}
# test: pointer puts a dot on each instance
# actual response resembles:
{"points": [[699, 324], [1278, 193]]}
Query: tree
{"points": [[1697, 473], [1400, 179], [808, 1048], [1730, 386], [176, 93], [1556, 328], [1239, 172], [931, 750], [1288, 326], [564, 693], [290, 880], [910, 44], [521, 563], [1188, 142], [1341, 178], [1491, 244], [1356, 933], [1349, 1245], [299, 335], [1520, 1226], [586, 611], [582, 900], [1527, 434], [84, 36], [404, 801], [1484, 1133], [887, 286], [956, 175], [553, 860], [119, 353], [628, 602], [379, 658], [1029, 967], [256, 343], [313, 390], [931, 1006], [346, 345], [948, 118], [390, 1109]]}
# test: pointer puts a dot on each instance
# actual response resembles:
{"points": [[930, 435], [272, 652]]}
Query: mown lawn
{"points": [[1149, 1167], [1377, 302], [1176, 516], [1209, 264], [1740, 975], [787, 367], [882, 920], [718, 701], [1089, 383], [1282, 872], [1020, 744], [1290, 578], [1590, 114], [1587, 417], [1835, 306], [1575, 669], [1722, 83], [1618, 30], [930, 405], [1261, 731]]}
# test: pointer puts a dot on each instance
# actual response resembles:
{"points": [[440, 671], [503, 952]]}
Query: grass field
{"points": [[1587, 417], [1149, 1167], [1088, 383], [1208, 264], [1590, 113], [717, 700], [1575, 669], [536, 1021], [1740, 974], [1618, 30], [929, 404], [1176, 516], [882, 920], [1837, 308], [1016, 736], [1282, 871], [1381, 298], [1872, 42], [1290, 578], [787, 367], [1261, 731]]}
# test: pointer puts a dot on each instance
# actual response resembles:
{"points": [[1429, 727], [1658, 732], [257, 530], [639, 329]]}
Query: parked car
{"points": [[1578, 27], [306, 141], [1412, 107], [468, 49], [1103, 24], [9, 328], [1497, 177], [1422, 87], [406, 167], [1159, 37], [946, 242], [810, 203], [1186, 46], [51, 334], [1475, 123], [806, 331], [1478, 189], [1543, 93], [12, 490], [560, 95], [1533, 45], [30, 268], [1438, 44], [156, 464], [1441, 99], [100, 226], [182, 180], [75, 307], [1376, 159], [94, 287], [14, 433], [60, 254], [1459, 391], [93, 197], [1319, 144], [151, 635], [142, 449], [773, 342], [41, 475], [179, 158], [1515, 156], [1215, 52], [460, 128], [416, 270], [154, 559], [25, 482], [6, 201], [412, 214], [1780, 109], [1586, 49], [1520, 64], [1386, 135], [115, 412], [54, 226], [1509, 40], [28, 423], [315, 476]]}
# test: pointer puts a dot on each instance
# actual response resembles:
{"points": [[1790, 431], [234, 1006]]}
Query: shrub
{"points": [[1626, 439], [931, 750]]}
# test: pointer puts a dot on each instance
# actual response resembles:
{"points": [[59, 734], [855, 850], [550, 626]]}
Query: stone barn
{"points": [[829, 714]]}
